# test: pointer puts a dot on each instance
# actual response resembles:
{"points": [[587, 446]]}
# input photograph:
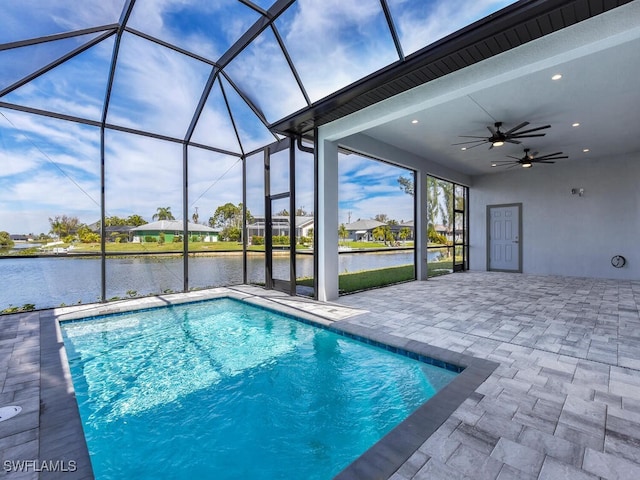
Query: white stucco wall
{"points": [[564, 233]]}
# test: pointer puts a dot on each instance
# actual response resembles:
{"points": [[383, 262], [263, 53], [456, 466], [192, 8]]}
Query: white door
{"points": [[504, 247]]}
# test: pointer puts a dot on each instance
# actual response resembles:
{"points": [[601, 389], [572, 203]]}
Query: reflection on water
{"points": [[52, 281]]}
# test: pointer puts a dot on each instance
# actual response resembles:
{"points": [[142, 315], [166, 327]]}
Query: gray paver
{"points": [[610, 466], [565, 399], [552, 469], [518, 456], [473, 464], [553, 446]]}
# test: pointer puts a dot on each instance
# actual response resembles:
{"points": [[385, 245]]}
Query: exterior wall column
{"points": [[421, 239], [327, 220]]}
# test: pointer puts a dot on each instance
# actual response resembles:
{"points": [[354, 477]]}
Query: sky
{"points": [[51, 167]]}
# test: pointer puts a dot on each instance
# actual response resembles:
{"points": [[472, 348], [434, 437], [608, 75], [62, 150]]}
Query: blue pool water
{"points": [[222, 389]]}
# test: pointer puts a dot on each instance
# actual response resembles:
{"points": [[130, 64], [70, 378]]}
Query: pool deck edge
{"points": [[61, 436], [390, 453]]}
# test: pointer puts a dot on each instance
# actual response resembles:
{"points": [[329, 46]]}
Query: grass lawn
{"points": [[367, 279], [171, 247], [356, 281], [157, 247], [439, 268], [366, 245]]}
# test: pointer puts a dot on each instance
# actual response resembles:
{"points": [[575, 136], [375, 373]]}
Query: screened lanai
{"points": [[123, 110], [117, 112]]}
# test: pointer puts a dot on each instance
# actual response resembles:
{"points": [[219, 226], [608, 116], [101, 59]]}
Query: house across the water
{"points": [[172, 230]]}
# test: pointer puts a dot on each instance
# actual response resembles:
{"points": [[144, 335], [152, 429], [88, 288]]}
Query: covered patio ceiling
{"points": [[598, 90]]}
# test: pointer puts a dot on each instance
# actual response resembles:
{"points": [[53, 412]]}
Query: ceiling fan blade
{"points": [[541, 161], [479, 142], [510, 156], [472, 136], [515, 164], [556, 158], [518, 127], [528, 136], [505, 161], [532, 130], [511, 140], [546, 157]]}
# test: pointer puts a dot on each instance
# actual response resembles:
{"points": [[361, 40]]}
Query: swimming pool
{"points": [[200, 390]]}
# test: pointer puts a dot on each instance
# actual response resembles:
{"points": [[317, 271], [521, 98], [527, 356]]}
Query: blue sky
{"points": [[369, 187], [51, 167]]}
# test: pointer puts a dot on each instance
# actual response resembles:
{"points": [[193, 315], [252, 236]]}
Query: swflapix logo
{"points": [[39, 466]]}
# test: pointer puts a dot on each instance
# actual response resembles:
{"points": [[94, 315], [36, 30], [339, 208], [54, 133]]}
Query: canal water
{"points": [[53, 281]]}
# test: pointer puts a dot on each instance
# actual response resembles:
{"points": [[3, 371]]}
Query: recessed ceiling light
{"points": [[557, 76], [585, 150], [414, 121], [463, 148], [575, 124]]}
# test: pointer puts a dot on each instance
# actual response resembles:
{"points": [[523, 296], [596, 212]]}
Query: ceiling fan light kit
{"points": [[498, 138], [529, 159]]}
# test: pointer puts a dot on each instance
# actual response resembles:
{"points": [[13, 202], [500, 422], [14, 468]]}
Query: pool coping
{"points": [[60, 417]]}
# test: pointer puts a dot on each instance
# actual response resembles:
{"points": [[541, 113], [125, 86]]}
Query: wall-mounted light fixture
{"points": [[577, 191]]}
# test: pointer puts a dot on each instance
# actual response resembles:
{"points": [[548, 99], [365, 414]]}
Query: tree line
{"points": [[226, 218]]}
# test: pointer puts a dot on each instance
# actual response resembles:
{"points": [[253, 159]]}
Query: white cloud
{"points": [[27, 204], [142, 174], [420, 27], [155, 18], [214, 126], [262, 72], [214, 180], [45, 140], [93, 12], [15, 162], [368, 187], [155, 89], [33, 18], [352, 44]]}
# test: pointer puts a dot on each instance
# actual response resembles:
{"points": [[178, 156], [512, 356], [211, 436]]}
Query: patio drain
{"points": [[9, 412]]}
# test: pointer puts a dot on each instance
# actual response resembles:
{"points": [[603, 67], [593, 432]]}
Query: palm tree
{"points": [[404, 234], [342, 232], [135, 220], [163, 213], [432, 200], [382, 233], [446, 205]]}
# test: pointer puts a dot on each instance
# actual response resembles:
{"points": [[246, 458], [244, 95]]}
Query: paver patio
{"points": [[564, 402]]}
